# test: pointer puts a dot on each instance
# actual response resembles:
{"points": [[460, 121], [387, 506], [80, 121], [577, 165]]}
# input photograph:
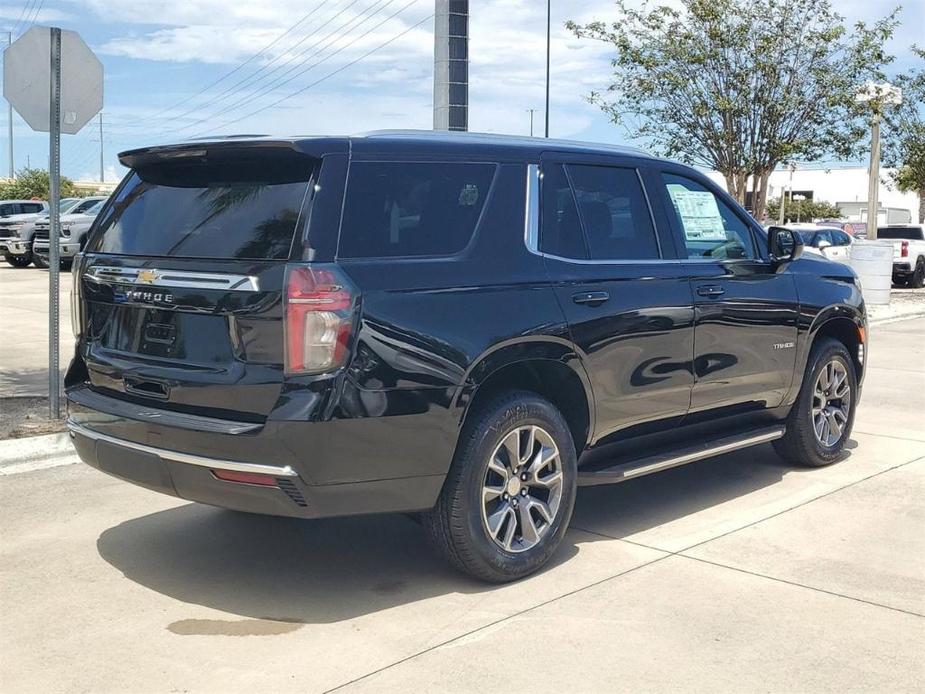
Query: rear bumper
{"points": [[114, 444], [902, 267]]}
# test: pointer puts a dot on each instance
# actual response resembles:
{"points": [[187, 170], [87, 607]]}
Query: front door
{"points": [[745, 312], [626, 298]]}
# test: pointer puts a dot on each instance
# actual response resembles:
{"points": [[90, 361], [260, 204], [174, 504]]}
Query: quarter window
{"points": [[560, 228], [400, 209], [710, 228]]}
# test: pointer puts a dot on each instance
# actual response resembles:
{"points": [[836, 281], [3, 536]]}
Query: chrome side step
{"points": [[663, 461]]}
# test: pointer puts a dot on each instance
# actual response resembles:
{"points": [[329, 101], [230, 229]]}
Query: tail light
{"points": [[319, 319], [904, 249]]}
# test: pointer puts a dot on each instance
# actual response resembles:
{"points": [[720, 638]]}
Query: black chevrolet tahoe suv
{"points": [[461, 327]]}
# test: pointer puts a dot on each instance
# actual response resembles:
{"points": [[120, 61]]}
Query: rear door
{"points": [[746, 312], [182, 282], [627, 301]]}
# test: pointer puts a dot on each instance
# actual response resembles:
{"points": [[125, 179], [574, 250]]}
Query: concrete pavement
{"points": [[733, 574]]}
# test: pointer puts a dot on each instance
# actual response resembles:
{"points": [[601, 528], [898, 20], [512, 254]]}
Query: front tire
{"points": [[38, 262], [18, 260], [509, 495], [821, 419]]}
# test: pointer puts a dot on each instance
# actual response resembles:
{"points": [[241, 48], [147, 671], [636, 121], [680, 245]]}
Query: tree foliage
{"points": [[803, 210], [740, 86], [904, 133], [35, 183]]}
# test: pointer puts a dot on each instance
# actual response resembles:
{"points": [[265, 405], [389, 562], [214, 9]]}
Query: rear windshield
{"points": [[908, 233], [229, 210]]}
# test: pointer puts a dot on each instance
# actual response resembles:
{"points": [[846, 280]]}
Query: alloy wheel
{"points": [[831, 403], [522, 489]]}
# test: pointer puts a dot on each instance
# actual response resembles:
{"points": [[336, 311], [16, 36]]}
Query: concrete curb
{"points": [[896, 319], [35, 452]]}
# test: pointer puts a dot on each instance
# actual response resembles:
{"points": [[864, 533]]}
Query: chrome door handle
{"points": [[590, 298], [710, 290]]}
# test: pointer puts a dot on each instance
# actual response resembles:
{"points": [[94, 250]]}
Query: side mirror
{"points": [[784, 246]]}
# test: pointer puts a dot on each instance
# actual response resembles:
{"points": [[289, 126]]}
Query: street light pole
{"points": [[531, 111], [548, 43], [873, 182], [9, 114]]}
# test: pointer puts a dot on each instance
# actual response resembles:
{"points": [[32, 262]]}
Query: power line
{"points": [[230, 91], [35, 15], [234, 70], [279, 81], [337, 71], [27, 7]]}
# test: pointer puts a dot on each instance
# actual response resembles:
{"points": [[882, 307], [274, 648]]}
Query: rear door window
{"points": [[32, 207], [246, 210], [402, 209]]}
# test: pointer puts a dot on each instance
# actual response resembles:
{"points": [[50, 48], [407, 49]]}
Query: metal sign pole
{"points": [[54, 218]]}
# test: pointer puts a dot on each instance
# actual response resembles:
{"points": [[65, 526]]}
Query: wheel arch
{"points": [[549, 368], [843, 323]]}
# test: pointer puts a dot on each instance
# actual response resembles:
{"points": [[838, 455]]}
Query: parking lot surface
{"points": [[732, 574]]}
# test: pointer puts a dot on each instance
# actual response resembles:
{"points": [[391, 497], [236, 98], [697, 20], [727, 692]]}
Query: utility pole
{"points": [[531, 111], [783, 198], [451, 65], [548, 44], [9, 113], [101, 148]]}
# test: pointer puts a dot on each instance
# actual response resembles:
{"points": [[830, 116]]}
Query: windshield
{"points": [[67, 204], [202, 210], [907, 233]]}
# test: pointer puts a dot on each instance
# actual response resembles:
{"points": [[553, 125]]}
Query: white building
{"points": [[845, 186]]}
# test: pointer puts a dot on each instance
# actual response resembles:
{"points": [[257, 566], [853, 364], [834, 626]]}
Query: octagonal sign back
{"points": [[27, 80]]}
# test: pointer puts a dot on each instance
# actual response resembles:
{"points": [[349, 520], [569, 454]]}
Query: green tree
{"points": [[35, 183], [904, 133], [803, 210], [740, 86]]}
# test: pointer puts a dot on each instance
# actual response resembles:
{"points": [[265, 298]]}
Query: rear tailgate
{"points": [[182, 283]]}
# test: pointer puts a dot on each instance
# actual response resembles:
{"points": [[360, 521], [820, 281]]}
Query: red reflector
{"points": [[245, 477]]}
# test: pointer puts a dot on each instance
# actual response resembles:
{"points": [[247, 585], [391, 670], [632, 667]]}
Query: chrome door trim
{"points": [[151, 277], [188, 458]]}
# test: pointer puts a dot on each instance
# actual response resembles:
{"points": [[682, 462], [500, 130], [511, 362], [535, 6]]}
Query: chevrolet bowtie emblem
{"points": [[147, 276]]}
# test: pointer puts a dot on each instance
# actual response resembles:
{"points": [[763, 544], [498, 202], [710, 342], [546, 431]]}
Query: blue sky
{"points": [[161, 56]]}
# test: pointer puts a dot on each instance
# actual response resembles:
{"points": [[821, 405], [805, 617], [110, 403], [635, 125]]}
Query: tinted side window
{"points": [[614, 213], [711, 229], [560, 228], [398, 209], [7, 210], [840, 238], [31, 207]]}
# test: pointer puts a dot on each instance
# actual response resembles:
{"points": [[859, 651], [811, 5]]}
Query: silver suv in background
{"points": [[16, 218], [74, 228]]}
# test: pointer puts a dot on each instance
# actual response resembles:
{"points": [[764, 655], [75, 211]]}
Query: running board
{"points": [[681, 456]]}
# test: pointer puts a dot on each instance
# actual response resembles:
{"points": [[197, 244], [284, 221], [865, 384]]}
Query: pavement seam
{"points": [[889, 436], [796, 584], [667, 554], [499, 621]]}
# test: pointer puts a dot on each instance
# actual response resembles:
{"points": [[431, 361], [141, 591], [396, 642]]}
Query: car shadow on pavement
{"points": [[322, 571]]}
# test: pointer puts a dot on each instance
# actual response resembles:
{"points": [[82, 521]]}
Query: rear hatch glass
{"points": [[905, 233], [244, 210], [182, 284]]}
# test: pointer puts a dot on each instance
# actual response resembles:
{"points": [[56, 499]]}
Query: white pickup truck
{"points": [[908, 253]]}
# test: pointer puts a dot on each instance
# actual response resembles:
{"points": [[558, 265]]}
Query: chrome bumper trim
{"points": [[188, 458]]}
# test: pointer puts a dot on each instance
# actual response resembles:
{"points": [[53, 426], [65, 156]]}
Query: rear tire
{"points": [[820, 421], [509, 495], [18, 260]]}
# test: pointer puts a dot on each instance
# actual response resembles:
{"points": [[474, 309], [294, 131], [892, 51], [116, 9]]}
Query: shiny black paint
{"points": [[654, 358]]}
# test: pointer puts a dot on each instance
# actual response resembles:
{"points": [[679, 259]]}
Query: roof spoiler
{"points": [[217, 150]]}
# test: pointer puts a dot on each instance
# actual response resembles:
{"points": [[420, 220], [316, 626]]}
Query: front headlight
{"points": [[65, 231]]}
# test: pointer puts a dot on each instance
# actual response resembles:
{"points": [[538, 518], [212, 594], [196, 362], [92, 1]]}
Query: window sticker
{"points": [[699, 213]]}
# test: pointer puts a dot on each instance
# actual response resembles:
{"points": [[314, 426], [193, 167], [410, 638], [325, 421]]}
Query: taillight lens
{"points": [[904, 249], [319, 319]]}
